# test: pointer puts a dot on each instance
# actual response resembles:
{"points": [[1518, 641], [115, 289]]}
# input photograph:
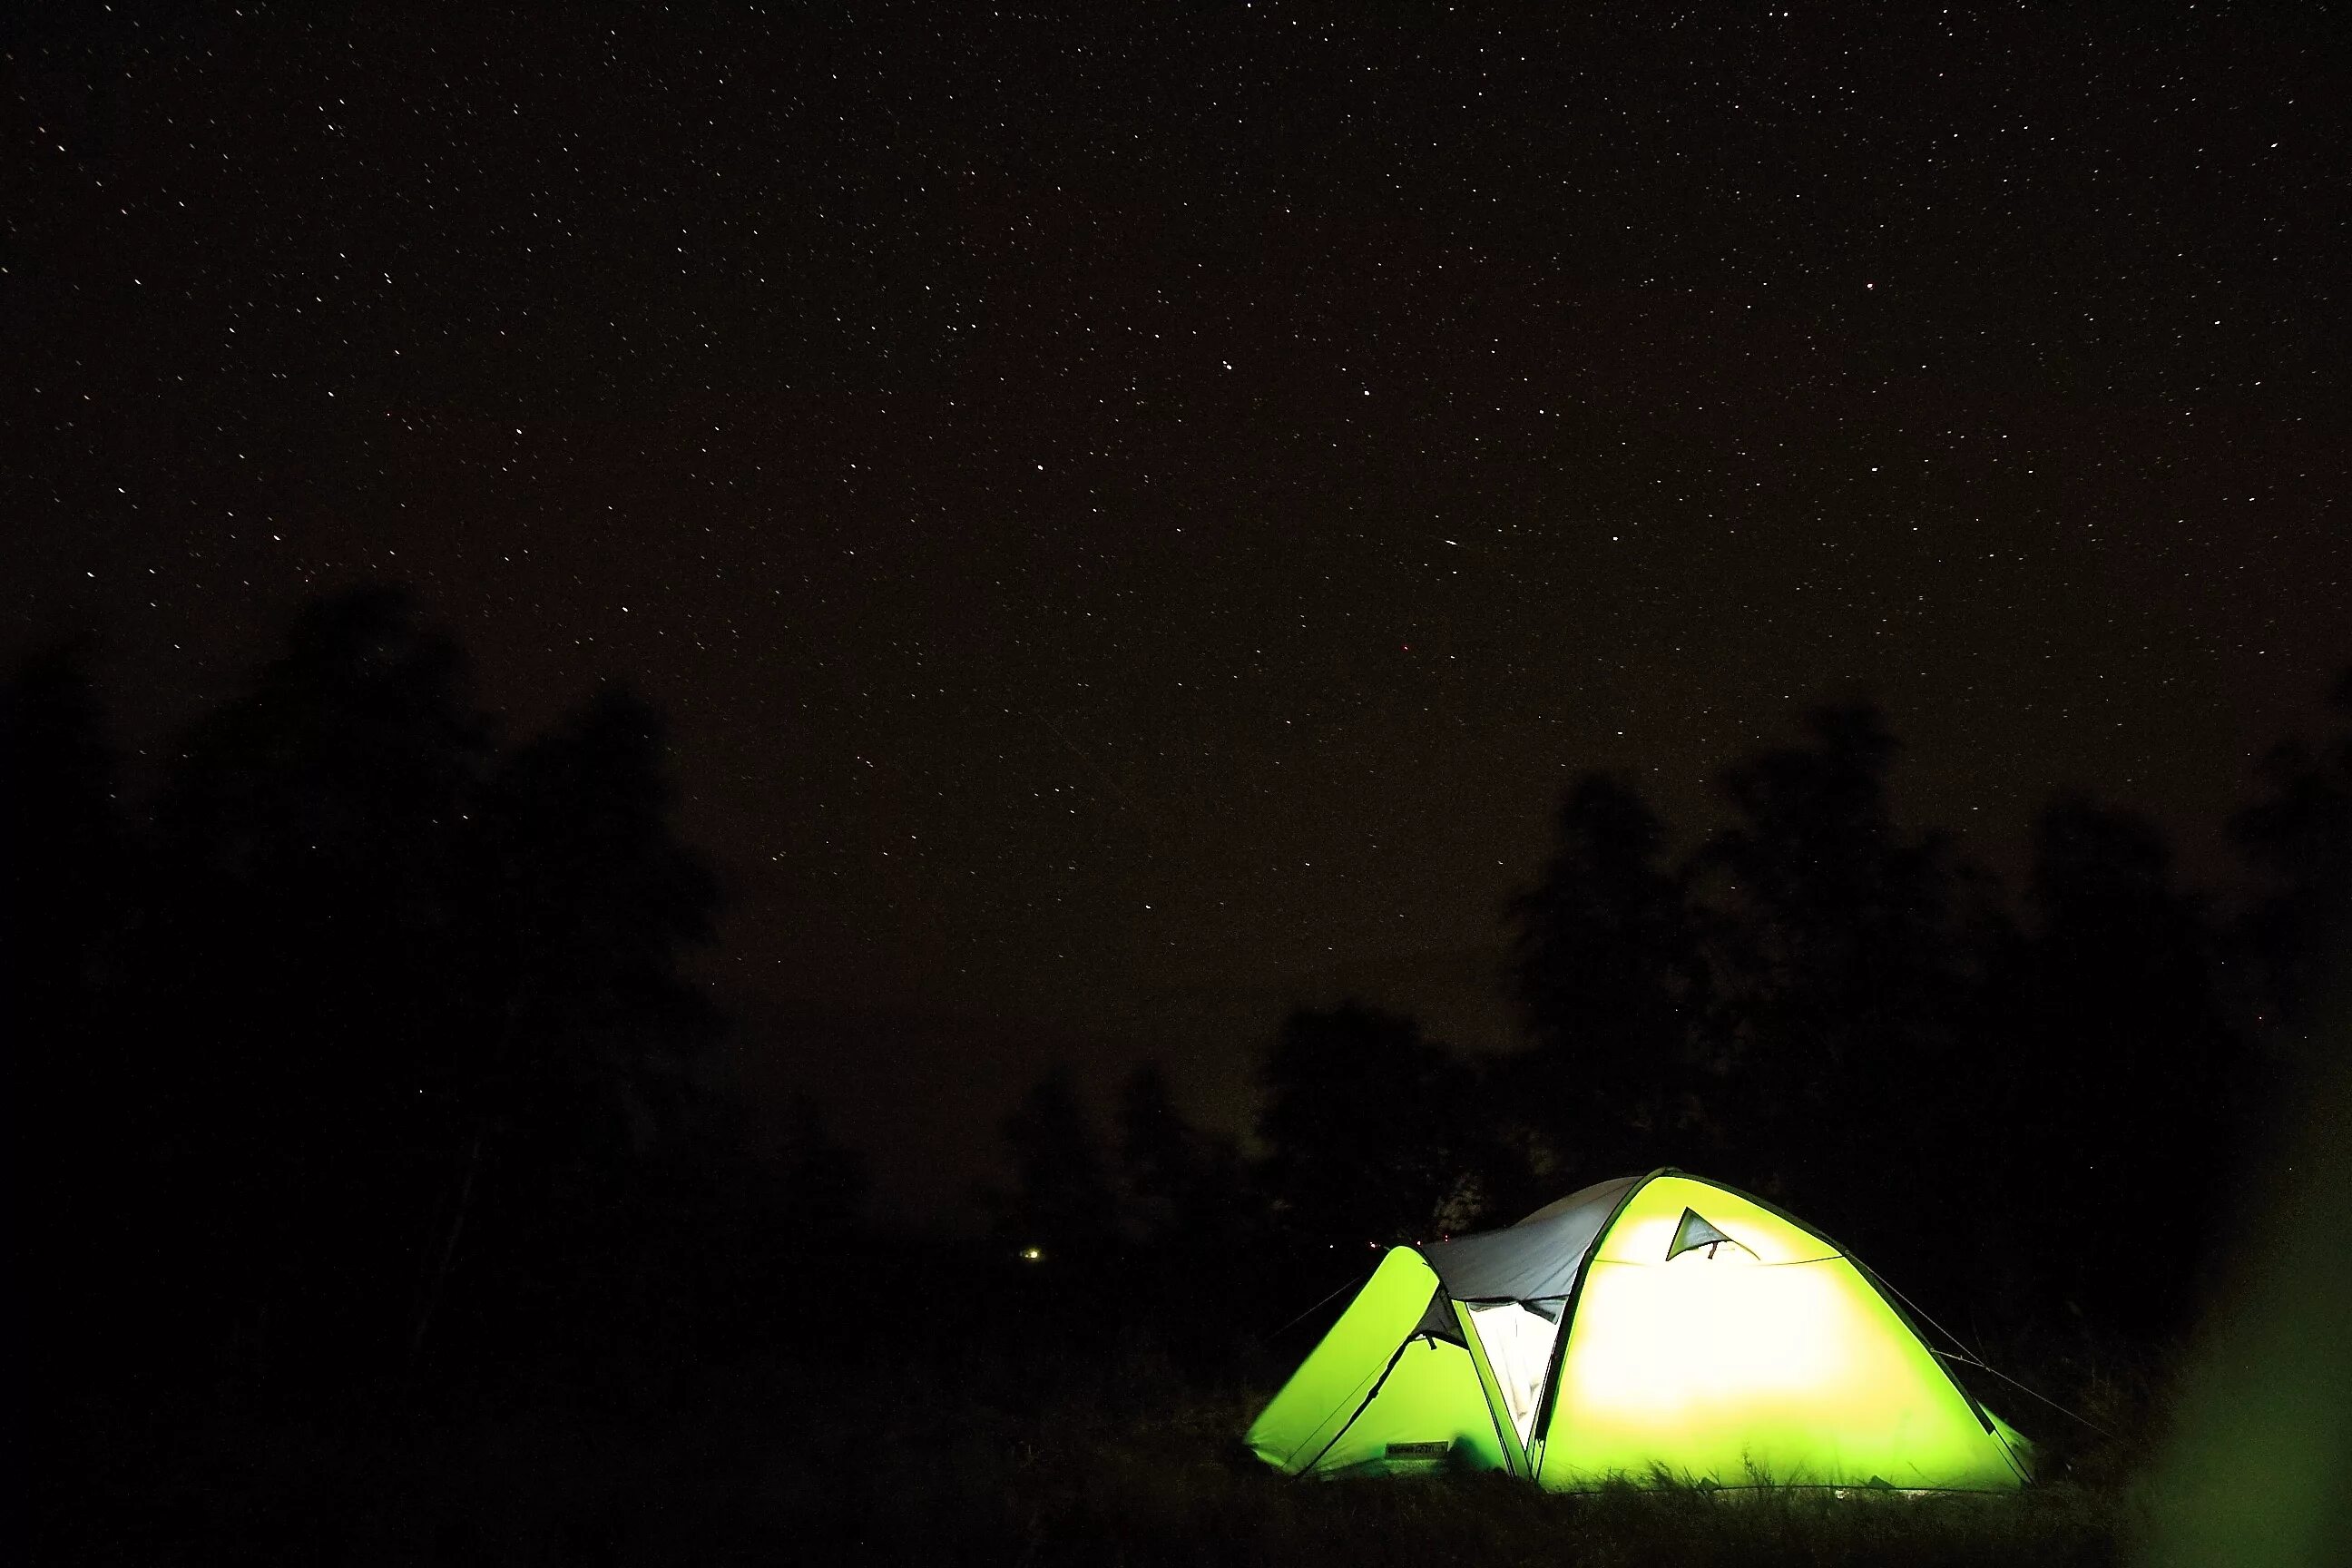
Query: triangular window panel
{"points": [[1694, 1232]]}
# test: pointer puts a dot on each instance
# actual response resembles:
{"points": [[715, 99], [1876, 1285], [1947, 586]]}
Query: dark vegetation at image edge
{"points": [[377, 1201]]}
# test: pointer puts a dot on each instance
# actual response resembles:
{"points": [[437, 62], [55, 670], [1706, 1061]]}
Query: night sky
{"points": [[1136, 515]]}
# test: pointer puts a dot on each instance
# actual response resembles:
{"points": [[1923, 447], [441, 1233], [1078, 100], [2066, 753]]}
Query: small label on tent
{"points": [[1421, 1450]]}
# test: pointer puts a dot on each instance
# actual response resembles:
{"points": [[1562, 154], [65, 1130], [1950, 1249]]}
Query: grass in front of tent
{"points": [[995, 1459], [1162, 1483]]}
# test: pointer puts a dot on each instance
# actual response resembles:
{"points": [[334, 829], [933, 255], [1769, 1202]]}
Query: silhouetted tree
{"points": [[411, 1030], [66, 895], [597, 904], [1847, 952], [1064, 1200], [63, 865], [823, 1185], [1194, 1267], [2297, 839], [1374, 1133], [311, 973], [2133, 1099], [1181, 1187], [591, 905], [1605, 970]]}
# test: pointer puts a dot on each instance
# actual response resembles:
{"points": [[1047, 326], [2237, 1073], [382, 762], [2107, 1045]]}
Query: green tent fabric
{"points": [[1661, 1328]]}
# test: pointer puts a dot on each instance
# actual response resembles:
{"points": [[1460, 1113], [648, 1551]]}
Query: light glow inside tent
{"points": [[1772, 1361]]}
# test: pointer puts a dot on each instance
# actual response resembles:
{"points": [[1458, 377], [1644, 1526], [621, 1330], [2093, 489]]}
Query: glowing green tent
{"points": [[1653, 1328]]}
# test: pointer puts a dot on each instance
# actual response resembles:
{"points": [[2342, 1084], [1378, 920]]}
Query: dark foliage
{"points": [[1062, 1206], [1834, 1010], [1374, 1133], [1991, 1098], [1608, 974], [365, 1046], [2298, 839], [356, 1075], [1842, 991], [63, 868], [305, 1014], [2130, 1093]]}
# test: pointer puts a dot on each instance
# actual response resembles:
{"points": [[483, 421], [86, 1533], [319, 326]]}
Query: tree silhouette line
{"points": [[360, 1050], [2040, 1105]]}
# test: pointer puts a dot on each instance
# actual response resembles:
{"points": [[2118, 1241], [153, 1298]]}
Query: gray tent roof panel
{"points": [[1534, 1261]]}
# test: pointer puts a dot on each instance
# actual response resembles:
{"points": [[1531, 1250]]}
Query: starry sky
{"points": [[1135, 514]]}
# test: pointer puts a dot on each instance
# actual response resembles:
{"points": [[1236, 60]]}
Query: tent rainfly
{"points": [[1655, 1329]]}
